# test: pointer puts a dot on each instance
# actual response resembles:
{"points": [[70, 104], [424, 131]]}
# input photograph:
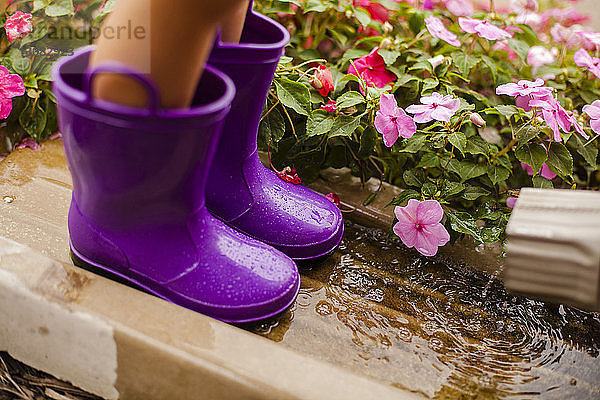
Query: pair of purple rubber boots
{"points": [[166, 202]]}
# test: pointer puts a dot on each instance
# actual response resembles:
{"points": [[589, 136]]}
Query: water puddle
{"points": [[437, 328]]}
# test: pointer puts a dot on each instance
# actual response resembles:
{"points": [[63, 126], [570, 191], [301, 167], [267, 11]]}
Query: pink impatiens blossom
{"points": [[460, 8], [568, 36], [436, 28], [392, 122], [590, 40], [524, 88], [592, 64], [540, 56], [524, 6], [593, 110], [511, 202], [554, 115], [331, 106], [323, 80], [544, 172], [435, 107], [11, 85], [377, 11], [18, 25], [419, 226], [483, 28], [371, 68]]}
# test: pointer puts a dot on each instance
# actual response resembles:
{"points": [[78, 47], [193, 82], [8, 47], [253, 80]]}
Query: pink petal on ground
{"points": [[429, 212]]}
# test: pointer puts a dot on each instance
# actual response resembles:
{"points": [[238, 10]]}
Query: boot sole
{"points": [[82, 262]]}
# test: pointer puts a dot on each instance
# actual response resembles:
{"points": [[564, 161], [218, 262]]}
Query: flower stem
{"points": [[507, 148]]}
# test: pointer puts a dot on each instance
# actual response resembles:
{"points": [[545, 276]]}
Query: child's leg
{"points": [[181, 35]]}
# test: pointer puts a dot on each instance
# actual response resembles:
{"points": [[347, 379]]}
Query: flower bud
{"points": [[387, 27], [477, 119], [385, 43]]}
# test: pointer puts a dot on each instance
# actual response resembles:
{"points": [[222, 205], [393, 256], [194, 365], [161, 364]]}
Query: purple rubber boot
{"points": [[138, 208], [240, 190]]}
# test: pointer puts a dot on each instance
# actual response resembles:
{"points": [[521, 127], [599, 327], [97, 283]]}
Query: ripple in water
{"points": [[436, 327]]}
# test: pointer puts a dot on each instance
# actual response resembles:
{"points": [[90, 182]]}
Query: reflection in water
{"points": [[437, 328]]}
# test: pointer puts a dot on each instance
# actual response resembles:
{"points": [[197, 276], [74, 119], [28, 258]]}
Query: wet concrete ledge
{"points": [[115, 341]]}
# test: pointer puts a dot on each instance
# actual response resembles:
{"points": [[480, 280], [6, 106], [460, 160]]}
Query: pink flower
{"points": [[377, 11], [592, 64], [511, 202], [436, 28], [392, 122], [18, 25], [371, 68], [566, 16], [419, 226], [330, 106], [289, 175], [435, 107], [28, 143], [323, 80], [577, 125], [554, 115], [544, 172], [524, 88], [539, 56], [593, 110], [591, 40], [11, 85], [460, 8], [524, 6], [483, 29], [334, 198]]}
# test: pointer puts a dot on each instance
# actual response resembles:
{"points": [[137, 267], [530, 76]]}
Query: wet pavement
{"points": [[374, 307]]}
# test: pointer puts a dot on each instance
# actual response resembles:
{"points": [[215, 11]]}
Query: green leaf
{"points": [[319, 122], [520, 47], [589, 152], [404, 196], [430, 83], [526, 134], [429, 160], [463, 222], [474, 192], [368, 139], [349, 99], [362, 16], [59, 8], [532, 154], [497, 173], [458, 140], [492, 234], [40, 31], [465, 169], [416, 22], [541, 182], [273, 126], [451, 188], [33, 119], [507, 110], [389, 56], [415, 143], [414, 177], [315, 5], [344, 125], [491, 66], [293, 95], [560, 160], [476, 145], [428, 190], [464, 62], [21, 65]]}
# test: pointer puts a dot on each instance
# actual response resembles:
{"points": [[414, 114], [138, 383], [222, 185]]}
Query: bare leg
{"points": [[233, 24], [180, 34]]}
